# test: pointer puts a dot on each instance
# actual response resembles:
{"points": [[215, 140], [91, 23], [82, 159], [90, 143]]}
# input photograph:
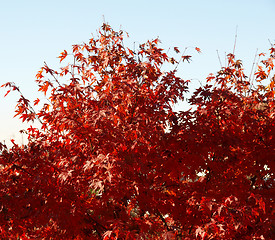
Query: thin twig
{"points": [[51, 72], [219, 58], [180, 59], [21, 168], [163, 220], [236, 35], [250, 79], [30, 107], [168, 50], [270, 43]]}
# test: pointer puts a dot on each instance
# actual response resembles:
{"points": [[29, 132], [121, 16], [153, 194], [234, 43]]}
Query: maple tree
{"points": [[113, 160]]}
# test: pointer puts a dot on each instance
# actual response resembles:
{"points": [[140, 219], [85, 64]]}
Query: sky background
{"points": [[34, 31]]}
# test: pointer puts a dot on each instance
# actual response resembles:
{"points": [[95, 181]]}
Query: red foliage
{"points": [[112, 160]]}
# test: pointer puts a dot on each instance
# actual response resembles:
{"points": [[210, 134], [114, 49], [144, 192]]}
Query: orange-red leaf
{"points": [[198, 49], [63, 55]]}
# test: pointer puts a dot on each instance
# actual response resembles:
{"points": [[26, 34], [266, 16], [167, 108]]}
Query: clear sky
{"points": [[34, 31]]}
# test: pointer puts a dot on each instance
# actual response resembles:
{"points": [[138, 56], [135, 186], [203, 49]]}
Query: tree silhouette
{"points": [[113, 160]]}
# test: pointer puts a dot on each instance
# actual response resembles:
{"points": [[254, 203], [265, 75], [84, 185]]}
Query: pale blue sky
{"points": [[34, 31]]}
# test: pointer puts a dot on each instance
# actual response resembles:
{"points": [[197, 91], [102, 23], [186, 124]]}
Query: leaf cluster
{"points": [[113, 160]]}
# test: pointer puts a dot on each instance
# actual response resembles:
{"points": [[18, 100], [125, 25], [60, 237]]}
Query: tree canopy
{"points": [[114, 160]]}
